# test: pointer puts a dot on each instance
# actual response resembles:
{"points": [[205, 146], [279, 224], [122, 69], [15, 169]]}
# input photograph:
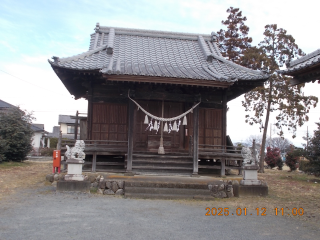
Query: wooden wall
{"points": [[210, 126], [109, 121]]}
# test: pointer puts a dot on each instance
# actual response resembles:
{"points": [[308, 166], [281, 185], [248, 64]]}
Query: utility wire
{"points": [[31, 83]]}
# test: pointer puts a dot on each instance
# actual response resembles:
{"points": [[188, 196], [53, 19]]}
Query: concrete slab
{"points": [[253, 190], [73, 186]]}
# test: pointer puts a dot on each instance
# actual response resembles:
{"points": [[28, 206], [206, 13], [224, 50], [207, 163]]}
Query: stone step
{"points": [[173, 191], [162, 168], [165, 184], [167, 196], [163, 164], [162, 155], [169, 158], [169, 161], [162, 172]]}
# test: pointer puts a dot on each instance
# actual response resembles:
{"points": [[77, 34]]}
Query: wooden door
{"points": [[109, 121], [145, 140], [210, 126]]}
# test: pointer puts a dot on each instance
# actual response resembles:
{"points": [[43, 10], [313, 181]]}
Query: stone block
{"points": [[235, 188], [220, 194], [108, 184], [250, 175], [73, 186], [91, 178], [229, 194], [102, 184], [253, 190], [108, 192], [114, 186], [50, 178], [119, 192], [74, 177], [120, 184], [56, 177]]}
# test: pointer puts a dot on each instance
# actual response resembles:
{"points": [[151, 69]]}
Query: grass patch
{"points": [[302, 177], [10, 164], [93, 190]]}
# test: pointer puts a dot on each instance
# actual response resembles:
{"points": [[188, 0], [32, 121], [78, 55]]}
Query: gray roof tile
{"points": [[302, 63], [157, 53], [66, 119], [4, 104]]}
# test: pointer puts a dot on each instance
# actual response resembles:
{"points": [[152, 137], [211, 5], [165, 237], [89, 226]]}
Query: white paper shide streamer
{"points": [[170, 124]]}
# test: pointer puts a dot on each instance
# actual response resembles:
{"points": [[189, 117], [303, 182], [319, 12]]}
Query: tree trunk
{"points": [[264, 137]]}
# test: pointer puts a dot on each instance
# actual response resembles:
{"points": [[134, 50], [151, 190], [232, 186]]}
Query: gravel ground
{"points": [[44, 214]]}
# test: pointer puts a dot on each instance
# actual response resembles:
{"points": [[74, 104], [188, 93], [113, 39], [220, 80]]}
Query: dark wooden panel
{"points": [[210, 126], [109, 121]]}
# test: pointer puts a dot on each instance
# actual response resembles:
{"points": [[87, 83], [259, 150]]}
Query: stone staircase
{"points": [[162, 164], [167, 190]]}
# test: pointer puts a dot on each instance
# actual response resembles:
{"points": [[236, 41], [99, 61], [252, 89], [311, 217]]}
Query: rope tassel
{"points": [[155, 126], [175, 128], [165, 129], [184, 123], [146, 120]]}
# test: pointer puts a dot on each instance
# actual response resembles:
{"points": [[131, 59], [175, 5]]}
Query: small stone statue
{"points": [[248, 159], [76, 152]]}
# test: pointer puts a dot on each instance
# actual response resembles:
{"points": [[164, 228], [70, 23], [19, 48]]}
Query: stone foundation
{"points": [[221, 189], [73, 186]]}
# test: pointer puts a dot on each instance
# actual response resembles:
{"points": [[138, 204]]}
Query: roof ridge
{"points": [[82, 55], [222, 59], [152, 33], [305, 58]]}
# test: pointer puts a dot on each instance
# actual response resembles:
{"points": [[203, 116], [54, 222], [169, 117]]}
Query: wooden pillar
{"points": [[224, 131], [195, 139], [89, 119], [59, 141], [130, 134], [94, 162], [76, 126]]}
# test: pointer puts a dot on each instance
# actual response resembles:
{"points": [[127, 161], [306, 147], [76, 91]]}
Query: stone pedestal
{"points": [[73, 186], [250, 175], [74, 170]]}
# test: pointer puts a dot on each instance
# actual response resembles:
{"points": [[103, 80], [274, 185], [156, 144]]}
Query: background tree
{"points": [[282, 143], [273, 158], [276, 95], [313, 152], [16, 134], [292, 157], [257, 138], [3, 149], [234, 40], [289, 102]]}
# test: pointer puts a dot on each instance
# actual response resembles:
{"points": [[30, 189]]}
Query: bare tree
{"points": [[282, 143], [250, 139]]}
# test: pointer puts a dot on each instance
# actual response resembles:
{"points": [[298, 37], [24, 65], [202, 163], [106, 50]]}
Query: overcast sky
{"points": [[31, 32]]}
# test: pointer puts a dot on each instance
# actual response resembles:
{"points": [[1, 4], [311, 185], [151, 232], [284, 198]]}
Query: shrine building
{"points": [[157, 100]]}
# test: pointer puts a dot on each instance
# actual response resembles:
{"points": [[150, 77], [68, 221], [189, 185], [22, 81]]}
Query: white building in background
{"points": [[67, 126], [38, 139]]}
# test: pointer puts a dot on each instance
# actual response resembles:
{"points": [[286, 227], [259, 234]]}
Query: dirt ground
{"points": [[287, 190]]}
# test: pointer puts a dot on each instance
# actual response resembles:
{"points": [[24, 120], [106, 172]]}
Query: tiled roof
{"points": [[55, 132], [39, 125], [36, 128], [302, 63], [4, 104], [66, 119], [125, 51]]}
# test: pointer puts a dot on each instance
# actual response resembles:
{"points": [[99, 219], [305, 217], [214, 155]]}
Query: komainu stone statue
{"points": [[76, 152], [75, 156]]}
